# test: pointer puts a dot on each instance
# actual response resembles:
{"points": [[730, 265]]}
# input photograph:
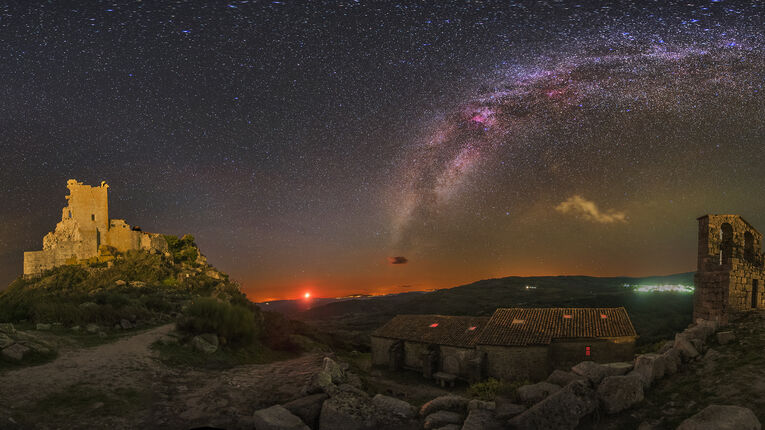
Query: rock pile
{"points": [[333, 398], [16, 346]]}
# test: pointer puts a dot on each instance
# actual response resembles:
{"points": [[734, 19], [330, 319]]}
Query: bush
{"points": [[184, 250], [491, 388], [234, 325]]}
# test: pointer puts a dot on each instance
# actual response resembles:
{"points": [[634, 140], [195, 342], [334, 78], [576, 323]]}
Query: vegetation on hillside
{"points": [[142, 289]]}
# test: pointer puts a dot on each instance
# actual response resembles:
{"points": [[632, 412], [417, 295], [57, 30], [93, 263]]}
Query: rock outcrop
{"points": [[561, 410], [718, 417]]}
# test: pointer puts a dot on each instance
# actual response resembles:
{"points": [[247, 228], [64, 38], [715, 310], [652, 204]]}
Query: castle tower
{"points": [[729, 277], [84, 227]]}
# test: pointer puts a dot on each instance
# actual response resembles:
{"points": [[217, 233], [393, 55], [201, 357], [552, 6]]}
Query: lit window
{"points": [[587, 351], [472, 328], [434, 325], [567, 316], [604, 316], [517, 321]]}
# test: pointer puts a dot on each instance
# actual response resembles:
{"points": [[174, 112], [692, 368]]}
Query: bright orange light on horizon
{"points": [[307, 295]]}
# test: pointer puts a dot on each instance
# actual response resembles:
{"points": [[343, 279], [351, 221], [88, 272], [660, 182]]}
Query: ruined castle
{"points": [[730, 270], [85, 232]]}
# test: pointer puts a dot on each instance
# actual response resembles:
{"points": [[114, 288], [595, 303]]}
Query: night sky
{"points": [[371, 147]]}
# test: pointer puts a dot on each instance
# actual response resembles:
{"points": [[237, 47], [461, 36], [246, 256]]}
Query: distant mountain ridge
{"points": [[360, 317]]}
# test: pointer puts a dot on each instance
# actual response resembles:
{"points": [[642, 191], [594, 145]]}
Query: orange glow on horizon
{"points": [[307, 295]]}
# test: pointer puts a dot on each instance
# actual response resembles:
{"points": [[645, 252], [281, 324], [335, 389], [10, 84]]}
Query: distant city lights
{"points": [[679, 288]]}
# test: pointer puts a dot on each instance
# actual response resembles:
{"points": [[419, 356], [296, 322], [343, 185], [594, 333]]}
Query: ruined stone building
{"points": [[730, 271], [85, 230], [514, 344]]}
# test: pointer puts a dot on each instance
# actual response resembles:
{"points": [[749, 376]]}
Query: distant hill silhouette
{"points": [[655, 315]]}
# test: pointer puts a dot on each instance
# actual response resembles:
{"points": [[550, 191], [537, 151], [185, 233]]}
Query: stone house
{"points": [[430, 343], [730, 274], [85, 229], [514, 344]]}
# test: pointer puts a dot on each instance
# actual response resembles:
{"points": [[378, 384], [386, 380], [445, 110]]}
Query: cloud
{"points": [[397, 260], [586, 209]]}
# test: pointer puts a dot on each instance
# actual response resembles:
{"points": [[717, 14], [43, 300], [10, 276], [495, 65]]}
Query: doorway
{"points": [[754, 293]]}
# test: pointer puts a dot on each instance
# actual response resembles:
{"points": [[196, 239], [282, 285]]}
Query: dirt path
{"points": [[122, 385]]}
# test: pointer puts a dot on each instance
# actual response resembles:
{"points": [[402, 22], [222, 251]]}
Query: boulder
{"points": [[561, 410], [684, 346], [482, 419], [442, 418], [718, 417], [320, 382], [207, 343], [533, 393], [125, 324], [277, 418], [449, 402], [308, 408], [347, 411], [725, 337], [394, 407], [618, 368], [480, 404], [450, 427], [507, 410], [137, 284], [42, 326], [335, 371], [15, 352], [591, 370], [698, 344], [649, 367], [5, 340], [672, 361], [120, 283], [562, 378], [7, 328], [617, 393]]}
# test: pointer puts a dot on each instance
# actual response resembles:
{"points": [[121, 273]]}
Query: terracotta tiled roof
{"points": [[438, 329], [539, 326]]}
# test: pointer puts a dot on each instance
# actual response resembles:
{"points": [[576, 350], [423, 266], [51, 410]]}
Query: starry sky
{"points": [[345, 147]]}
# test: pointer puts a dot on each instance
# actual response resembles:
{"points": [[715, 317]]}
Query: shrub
{"points": [[233, 324], [184, 250], [488, 390]]}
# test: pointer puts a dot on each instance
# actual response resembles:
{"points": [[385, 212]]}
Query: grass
{"points": [[224, 358], [489, 390], [85, 400]]}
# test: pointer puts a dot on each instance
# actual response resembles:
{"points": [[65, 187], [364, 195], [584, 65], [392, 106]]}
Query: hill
{"points": [[656, 315]]}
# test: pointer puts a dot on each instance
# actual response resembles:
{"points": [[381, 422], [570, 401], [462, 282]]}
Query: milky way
{"points": [[660, 79], [309, 146]]}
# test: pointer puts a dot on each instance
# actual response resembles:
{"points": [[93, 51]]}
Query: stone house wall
{"points": [[380, 348], [516, 362], [566, 353]]}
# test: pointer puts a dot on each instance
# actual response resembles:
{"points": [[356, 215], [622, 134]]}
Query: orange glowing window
{"points": [[587, 351], [567, 316], [434, 325], [604, 316], [472, 328], [517, 321]]}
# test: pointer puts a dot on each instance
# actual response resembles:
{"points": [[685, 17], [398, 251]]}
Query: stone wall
{"points": [[516, 362], [730, 275], [380, 348], [566, 353]]}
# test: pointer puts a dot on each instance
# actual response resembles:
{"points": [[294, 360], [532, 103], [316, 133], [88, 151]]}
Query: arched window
{"points": [[726, 243], [749, 247]]}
